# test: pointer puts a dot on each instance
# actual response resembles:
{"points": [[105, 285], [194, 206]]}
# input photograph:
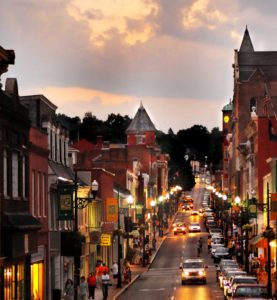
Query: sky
{"points": [[108, 56]]}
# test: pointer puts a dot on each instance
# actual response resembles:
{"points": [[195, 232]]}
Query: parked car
{"points": [[221, 252], [194, 227], [237, 279], [249, 291], [193, 270], [194, 213]]}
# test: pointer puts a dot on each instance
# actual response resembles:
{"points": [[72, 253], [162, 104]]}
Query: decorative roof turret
{"points": [[141, 122], [246, 44], [228, 107]]}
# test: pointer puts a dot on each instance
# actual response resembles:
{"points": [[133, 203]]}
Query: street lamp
{"points": [[80, 203], [153, 205], [130, 201]]}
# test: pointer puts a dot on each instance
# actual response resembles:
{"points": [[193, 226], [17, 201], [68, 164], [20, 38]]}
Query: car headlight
{"points": [[201, 273], [186, 273], [183, 228]]}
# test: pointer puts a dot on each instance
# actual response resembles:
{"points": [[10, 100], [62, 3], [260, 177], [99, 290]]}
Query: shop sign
{"points": [[94, 237], [105, 240], [252, 208], [65, 202], [107, 227], [139, 211], [111, 209]]}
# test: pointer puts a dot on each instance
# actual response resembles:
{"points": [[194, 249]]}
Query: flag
{"points": [[266, 101]]}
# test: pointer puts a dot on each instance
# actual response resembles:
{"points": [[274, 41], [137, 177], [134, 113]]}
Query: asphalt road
{"points": [[163, 280]]}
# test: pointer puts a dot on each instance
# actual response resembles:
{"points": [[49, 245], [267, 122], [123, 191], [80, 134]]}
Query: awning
{"points": [[258, 241], [20, 221], [61, 171]]}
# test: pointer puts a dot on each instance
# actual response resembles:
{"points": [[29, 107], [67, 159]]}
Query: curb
{"points": [[138, 275], [156, 252], [126, 287]]}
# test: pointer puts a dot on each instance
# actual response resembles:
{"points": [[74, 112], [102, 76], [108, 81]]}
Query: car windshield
{"points": [[244, 280], [192, 265], [194, 224], [251, 291]]}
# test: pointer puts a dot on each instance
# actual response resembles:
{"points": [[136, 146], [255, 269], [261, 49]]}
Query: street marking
{"points": [[150, 290]]}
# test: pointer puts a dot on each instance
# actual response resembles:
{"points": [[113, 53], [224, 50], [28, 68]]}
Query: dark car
{"points": [[249, 291]]}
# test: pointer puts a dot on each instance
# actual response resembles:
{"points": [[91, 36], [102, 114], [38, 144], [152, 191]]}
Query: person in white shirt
{"points": [[114, 271], [105, 284]]}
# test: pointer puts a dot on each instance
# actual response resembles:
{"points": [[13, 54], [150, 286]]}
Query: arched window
{"points": [[253, 105]]}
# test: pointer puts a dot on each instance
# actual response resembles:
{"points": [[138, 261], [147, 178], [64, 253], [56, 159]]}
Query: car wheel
{"points": [[183, 282], [204, 281]]}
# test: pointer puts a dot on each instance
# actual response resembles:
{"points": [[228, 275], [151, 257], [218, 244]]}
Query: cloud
{"points": [[203, 14], [107, 17]]}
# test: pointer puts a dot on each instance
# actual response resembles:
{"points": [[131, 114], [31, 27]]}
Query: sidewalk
{"points": [[137, 270]]}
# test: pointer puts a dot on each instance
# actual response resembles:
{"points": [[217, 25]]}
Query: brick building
{"points": [[18, 228]]}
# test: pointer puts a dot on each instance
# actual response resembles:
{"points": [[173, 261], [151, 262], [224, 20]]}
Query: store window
{"points": [[14, 283], [37, 281]]}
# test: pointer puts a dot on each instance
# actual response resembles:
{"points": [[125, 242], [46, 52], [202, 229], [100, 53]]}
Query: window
{"points": [[43, 195], [38, 195], [23, 177], [33, 193], [5, 172], [253, 105], [15, 174], [140, 139]]}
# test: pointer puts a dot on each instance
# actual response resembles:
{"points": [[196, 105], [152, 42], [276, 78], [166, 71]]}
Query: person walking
{"points": [[91, 285], [69, 289], [105, 284], [83, 289], [114, 270]]}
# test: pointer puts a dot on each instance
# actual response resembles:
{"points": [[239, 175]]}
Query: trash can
{"points": [[57, 294]]}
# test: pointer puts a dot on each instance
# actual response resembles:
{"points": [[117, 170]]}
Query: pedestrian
{"points": [[105, 284], [83, 289], [105, 268], [128, 273], [69, 289], [114, 270], [91, 285], [98, 272]]}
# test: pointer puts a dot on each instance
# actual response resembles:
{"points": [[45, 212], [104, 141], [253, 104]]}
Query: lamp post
{"points": [[130, 201], [153, 205], [80, 203]]}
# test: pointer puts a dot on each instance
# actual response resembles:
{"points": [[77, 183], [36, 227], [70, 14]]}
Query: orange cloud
{"points": [[65, 95], [106, 17], [200, 14]]}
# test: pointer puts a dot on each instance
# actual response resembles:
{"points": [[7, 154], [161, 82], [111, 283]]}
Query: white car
{"points": [[194, 227]]}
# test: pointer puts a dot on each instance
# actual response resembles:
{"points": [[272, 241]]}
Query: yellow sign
{"points": [[111, 210], [105, 240]]}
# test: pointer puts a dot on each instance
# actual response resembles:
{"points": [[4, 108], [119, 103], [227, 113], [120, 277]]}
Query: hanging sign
{"points": [[105, 240], [65, 202], [111, 210], [252, 208]]}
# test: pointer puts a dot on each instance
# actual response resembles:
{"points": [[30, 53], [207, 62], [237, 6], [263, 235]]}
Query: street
{"points": [[162, 281]]}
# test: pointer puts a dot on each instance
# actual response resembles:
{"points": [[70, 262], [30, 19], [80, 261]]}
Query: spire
{"points": [[141, 122], [246, 44]]}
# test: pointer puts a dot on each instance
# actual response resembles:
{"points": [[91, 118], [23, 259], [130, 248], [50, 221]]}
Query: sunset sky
{"points": [[106, 56]]}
